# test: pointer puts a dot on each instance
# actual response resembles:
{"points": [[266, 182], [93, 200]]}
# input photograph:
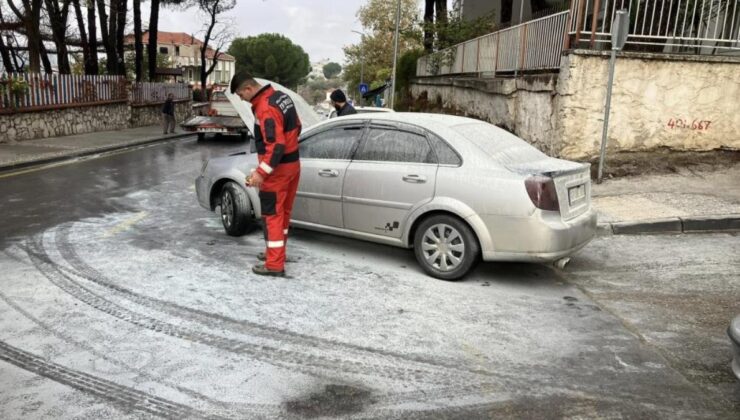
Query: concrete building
{"points": [[184, 52]]}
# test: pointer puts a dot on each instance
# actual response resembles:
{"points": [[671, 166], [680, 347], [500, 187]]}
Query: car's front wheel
{"points": [[446, 247], [235, 209]]}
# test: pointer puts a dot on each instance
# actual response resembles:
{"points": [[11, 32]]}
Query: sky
{"points": [[321, 27]]}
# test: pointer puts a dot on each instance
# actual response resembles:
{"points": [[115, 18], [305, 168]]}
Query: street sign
{"points": [[364, 88], [620, 29]]}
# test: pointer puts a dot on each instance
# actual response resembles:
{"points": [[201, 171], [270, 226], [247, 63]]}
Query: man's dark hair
{"points": [[240, 79]]}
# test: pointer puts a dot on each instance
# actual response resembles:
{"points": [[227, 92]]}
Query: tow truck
{"points": [[223, 119]]}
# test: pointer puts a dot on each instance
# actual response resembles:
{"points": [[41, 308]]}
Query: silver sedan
{"points": [[454, 189]]}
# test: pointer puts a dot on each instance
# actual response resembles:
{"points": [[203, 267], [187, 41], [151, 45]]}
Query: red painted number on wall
{"points": [[699, 125]]}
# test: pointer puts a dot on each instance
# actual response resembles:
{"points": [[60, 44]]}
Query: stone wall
{"points": [[83, 119], [144, 115], [682, 103], [63, 122]]}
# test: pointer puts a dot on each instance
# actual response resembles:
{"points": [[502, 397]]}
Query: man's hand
{"points": [[255, 180]]}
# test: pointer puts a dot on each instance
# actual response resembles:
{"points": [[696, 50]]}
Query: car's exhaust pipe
{"points": [[561, 263]]}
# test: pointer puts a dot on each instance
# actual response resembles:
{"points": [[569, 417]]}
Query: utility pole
{"points": [[362, 56], [395, 54]]}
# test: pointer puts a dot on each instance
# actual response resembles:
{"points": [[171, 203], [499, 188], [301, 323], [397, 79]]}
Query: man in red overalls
{"points": [[276, 138]]}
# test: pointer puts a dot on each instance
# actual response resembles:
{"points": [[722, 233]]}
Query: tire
{"points": [[201, 136], [235, 210], [243, 136], [460, 251]]}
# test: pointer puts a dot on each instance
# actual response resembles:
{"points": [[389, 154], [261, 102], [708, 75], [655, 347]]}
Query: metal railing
{"points": [[151, 92], [676, 25], [533, 45], [31, 91]]}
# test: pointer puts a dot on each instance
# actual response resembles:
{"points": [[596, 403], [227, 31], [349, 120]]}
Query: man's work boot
{"points": [[264, 271], [288, 259]]}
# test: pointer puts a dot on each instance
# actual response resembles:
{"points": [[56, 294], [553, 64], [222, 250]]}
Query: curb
{"points": [[87, 152], [674, 225]]}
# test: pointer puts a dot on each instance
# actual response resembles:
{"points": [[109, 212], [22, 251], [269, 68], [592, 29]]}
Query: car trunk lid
{"points": [[572, 182]]}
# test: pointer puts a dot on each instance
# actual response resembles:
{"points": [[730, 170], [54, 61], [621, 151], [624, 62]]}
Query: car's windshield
{"points": [[505, 148]]}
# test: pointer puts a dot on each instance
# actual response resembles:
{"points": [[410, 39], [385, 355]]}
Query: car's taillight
{"points": [[541, 190], [212, 112]]}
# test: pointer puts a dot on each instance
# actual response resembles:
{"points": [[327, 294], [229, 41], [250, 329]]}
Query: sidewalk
{"points": [[35, 152], [687, 201]]}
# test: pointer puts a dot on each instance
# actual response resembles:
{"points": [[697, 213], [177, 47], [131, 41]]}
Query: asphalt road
{"points": [[122, 298]]}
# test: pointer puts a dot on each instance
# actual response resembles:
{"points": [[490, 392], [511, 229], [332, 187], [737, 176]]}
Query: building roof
{"points": [[179, 38]]}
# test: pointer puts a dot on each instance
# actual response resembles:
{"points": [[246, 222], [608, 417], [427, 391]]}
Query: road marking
{"points": [[126, 224]]}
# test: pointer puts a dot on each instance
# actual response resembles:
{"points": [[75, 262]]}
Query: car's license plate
{"points": [[212, 130], [576, 194]]}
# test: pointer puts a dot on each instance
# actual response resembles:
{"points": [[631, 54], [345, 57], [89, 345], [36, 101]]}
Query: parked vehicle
{"points": [[222, 119], [454, 189], [734, 333], [362, 110]]}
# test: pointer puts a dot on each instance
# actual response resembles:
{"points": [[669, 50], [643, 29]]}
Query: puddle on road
{"points": [[333, 400]]}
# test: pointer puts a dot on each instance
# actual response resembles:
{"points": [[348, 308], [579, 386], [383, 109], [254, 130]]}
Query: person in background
{"points": [[168, 115], [339, 100]]}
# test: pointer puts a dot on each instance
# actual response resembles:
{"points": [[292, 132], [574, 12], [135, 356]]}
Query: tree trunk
{"points": [[138, 46], [58, 24], [110, 50], [44, 57], [204, 72], [120, 34], [113, 34], [429, 25], [441, 19], [152, 45], [31, 18], [83, 33], [91, 66], [4, 51]]}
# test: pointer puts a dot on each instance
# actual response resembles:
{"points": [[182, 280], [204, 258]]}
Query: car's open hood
{"points": [[244, 109]]}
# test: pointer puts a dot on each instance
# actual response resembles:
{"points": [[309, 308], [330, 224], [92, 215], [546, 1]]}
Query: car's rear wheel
{"points": [[446, 247], [201, 136], [235, 209]]}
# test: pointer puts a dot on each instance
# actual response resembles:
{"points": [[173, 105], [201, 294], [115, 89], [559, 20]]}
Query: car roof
{"points": [[433, 122], [373, 109]]}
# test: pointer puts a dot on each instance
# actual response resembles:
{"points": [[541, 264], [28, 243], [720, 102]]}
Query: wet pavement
{"points": [[121, 297]]}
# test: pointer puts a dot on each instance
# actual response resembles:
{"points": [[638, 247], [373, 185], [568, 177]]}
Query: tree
{"points": [[271, 56], [30, 17], [331, 70], [122, 12], [152, 34], [152, 44], [105, 35], [378, 19], [138, 44], [91, 65], [435, 15], [87, 52], [58, 12], [5, 52], [215, 32]]}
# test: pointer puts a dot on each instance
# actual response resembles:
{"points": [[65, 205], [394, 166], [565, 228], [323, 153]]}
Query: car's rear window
{"points": [[219, 96], [502, 146]]}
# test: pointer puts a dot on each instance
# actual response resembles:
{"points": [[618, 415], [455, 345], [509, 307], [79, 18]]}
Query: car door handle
{"points": [[329, 173], [415, 179]]}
